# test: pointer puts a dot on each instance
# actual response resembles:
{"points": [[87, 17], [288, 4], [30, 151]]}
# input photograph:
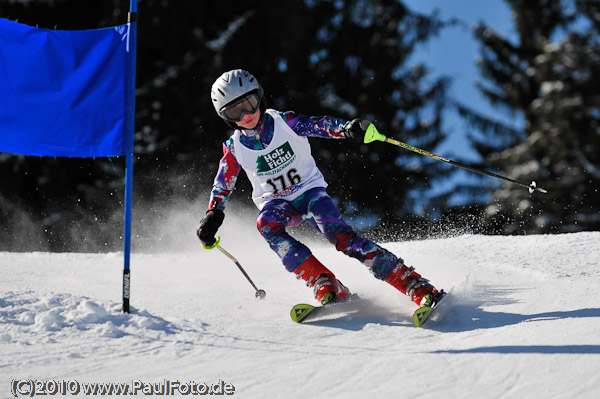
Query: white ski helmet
{"points": [[232, 85]]}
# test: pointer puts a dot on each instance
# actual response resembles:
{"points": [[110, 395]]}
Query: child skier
{"points": [[288, 188]]}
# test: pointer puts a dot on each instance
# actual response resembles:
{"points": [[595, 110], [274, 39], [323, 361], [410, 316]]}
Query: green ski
{"points": [[422, 314], [303, 312]]}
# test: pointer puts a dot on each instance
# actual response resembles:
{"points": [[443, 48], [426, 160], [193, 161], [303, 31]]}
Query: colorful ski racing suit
{"points": [[288, 188]]}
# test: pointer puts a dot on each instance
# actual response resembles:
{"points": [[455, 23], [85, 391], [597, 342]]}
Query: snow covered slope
{"points": [[523, 321]]}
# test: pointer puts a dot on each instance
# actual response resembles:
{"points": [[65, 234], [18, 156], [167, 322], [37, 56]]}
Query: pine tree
{"points": [[550, 78]]}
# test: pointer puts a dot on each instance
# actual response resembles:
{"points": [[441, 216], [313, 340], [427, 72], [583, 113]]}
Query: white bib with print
{"points": [[283, 170]]}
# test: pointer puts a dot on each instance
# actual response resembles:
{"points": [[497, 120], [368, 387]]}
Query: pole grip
{"points": [[373, 135], [216, 244]]}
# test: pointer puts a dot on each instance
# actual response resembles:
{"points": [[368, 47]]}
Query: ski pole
{"points": [[373, 135], [261, 294]]}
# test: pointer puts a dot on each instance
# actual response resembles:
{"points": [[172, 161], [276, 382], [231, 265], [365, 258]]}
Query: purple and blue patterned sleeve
{"points": [[315, 126], [224, 183]]}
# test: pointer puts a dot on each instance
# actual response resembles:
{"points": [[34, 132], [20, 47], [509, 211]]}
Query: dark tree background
{"points": [[551, 77], [346, 58]]}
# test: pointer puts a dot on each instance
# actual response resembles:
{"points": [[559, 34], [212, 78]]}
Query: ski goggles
{"points": [[235, 111]]}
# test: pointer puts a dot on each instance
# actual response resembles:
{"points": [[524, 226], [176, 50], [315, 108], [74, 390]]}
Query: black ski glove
{"points": [[209, 225], [356, 129]]}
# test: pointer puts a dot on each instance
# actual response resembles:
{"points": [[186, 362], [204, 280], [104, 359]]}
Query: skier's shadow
{"points": [[456, 317], [358, 321], [468, 317], [464, 317], [365, 312], [544, 349]]}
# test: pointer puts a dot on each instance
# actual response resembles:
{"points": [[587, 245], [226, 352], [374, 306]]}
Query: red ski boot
{"points": [[326, 287], [410, 283]]}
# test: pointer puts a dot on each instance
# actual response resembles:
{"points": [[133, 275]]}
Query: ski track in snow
{"points": [[522, 320]]}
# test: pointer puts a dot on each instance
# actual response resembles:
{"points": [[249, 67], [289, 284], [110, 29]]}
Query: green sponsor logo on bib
{"points": [[276, 160]]}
